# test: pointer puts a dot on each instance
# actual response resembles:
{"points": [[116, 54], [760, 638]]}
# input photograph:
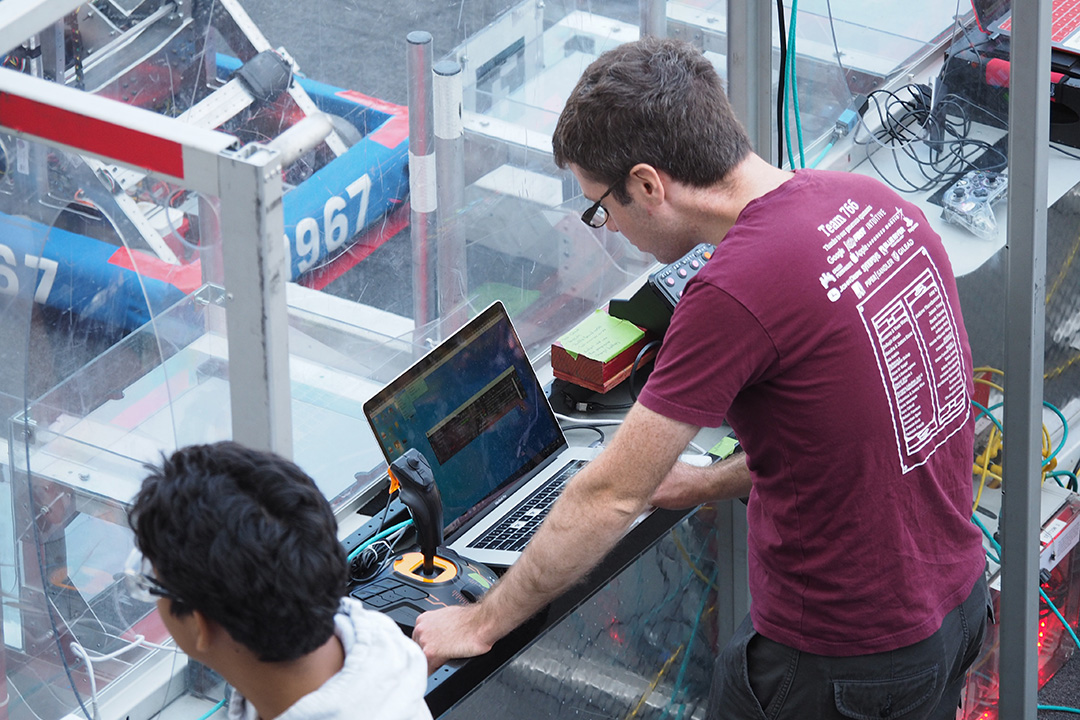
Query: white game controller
{"points": [[969, 201]]}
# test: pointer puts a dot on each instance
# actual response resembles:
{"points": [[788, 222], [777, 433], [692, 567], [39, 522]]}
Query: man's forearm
{"points": [[593, 513], [570, 542]]}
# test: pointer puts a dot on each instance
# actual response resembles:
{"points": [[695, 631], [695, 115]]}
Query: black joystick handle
{"points": [[420, 494]]}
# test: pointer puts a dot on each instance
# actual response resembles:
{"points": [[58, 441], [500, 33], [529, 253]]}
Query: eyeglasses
{"points": [[596, 215], [139, 580]]}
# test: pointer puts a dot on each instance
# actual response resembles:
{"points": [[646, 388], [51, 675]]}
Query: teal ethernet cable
{"points": [[985, 411], [1064, 430], [214, 709], [379, 536], [1073, 484], [1049, 604], [793, 91], [824, 152]]}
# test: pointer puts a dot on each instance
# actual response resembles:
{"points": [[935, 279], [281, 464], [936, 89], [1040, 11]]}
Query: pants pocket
{"points": [[887, 699], [731, 695]]}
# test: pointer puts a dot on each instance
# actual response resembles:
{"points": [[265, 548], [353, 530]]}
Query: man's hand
{"points": [[686, 486], [449, 633]]}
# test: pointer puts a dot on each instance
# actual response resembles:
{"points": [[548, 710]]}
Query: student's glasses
{"points": [[596, 215], [140, 582]]}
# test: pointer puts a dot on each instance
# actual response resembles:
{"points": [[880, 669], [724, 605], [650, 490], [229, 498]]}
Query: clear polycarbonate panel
{"points": [[100, 314], [502, 224], [643, 646]]}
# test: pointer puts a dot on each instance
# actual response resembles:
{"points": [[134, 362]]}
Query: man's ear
{"points": [[206, 631], [646, 185]]}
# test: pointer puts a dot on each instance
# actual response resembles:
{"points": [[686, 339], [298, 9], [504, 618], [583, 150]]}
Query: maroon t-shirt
{"points": [[826, 330]]}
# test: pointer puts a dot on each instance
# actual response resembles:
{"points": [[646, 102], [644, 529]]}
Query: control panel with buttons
{"points": [[672, 279], [651, 306]]}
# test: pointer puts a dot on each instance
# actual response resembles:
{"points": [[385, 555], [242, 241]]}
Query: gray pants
{"points": [[758, 679]]}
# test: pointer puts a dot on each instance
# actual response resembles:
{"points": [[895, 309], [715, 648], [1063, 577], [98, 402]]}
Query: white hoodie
{"points": [[384, 676]]}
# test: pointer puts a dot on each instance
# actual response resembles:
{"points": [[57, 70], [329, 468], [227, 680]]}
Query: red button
{"points": [[706, 255]]}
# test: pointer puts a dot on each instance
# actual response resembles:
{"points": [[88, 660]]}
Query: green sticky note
{"points": [[600, 337], [725, 447]]}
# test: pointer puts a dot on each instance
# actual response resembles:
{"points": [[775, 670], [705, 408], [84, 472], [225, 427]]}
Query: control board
{"points": [[671, 279], [651, 306], [403, 592]]}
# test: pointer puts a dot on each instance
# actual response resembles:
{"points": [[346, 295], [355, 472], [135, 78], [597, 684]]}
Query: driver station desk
{"points": [[635, 637]]}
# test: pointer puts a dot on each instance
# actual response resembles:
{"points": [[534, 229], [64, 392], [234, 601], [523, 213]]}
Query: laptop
{"points": [[475, 409], [995, 16]]}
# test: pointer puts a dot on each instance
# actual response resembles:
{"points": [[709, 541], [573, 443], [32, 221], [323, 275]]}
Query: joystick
{"points": [[432, 576], [968, 202]]}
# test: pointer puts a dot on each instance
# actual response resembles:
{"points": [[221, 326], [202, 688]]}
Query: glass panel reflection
{"points": [[642, 647]]}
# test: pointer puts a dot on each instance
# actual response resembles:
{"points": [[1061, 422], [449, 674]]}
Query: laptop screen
{"points": [[988, 12], [474, 408]]}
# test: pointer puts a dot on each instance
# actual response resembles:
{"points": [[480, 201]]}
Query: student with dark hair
{"points": [[826, 330], [240, 549]]}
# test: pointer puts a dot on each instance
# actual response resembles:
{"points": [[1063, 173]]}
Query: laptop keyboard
{"points": [[515, 530], [1065, 20]]}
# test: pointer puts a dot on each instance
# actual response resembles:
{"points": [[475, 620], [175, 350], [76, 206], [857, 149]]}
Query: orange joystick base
{"points": [[411, 565]]}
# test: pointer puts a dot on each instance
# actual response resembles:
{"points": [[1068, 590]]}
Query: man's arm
{"points": [[590, 517], [686, 485]]}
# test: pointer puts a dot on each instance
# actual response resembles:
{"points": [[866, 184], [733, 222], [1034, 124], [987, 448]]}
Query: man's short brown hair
{"points": [[655, 101]]}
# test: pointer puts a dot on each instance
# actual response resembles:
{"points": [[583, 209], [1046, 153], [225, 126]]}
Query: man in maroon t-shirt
{"points": [[826, 331]]}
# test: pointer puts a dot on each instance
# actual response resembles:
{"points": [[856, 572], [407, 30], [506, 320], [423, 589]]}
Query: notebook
{"points": [[475, 409], [995, 16]]}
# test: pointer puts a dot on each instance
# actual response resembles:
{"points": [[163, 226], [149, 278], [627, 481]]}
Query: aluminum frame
{"points": [[1029, 143], [204, 161]]}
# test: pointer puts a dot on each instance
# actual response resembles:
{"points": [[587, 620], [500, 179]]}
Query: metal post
{"points": [[52, 52], [653, 17], [422, 196], [1029, 129], [452, 271], [256, 268], [749, 66]]}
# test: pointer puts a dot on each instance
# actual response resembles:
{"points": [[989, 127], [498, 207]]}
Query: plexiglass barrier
{"points": [[642, 647], [115, 299]]}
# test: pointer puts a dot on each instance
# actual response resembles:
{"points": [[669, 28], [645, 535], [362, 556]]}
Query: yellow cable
{"points": [[984, 381], [1049, 375], [1064, 270], [1047, 464], [985, 469], [656, 681], [686, 556]]}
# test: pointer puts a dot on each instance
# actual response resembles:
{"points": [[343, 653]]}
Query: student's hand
{"points": [[449, 633]]}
